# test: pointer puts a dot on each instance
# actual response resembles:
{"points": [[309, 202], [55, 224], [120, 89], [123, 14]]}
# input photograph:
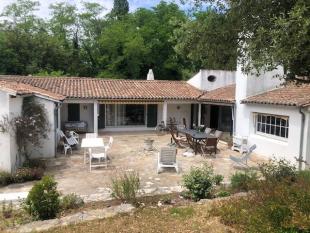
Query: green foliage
{"points": [[120, 8], [222, 193], [208, 41], [43, 199], [243, 181], [277, 170], [218, 179], [199, 182], [270, 33], [82, 42], [182, 212], [275, 205], [5, 178], [71, 201], [25, 174], [125, 186], [7, 210]]}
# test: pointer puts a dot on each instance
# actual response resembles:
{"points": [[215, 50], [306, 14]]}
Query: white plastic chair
{"points": [[208, 130], [244, 159], [101, 157], [109, 146], [75, 135], [66, 148], [91, 135], [167, 158]]}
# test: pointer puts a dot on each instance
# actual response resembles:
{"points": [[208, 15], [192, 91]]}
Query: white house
{"points": [[275, 118]]}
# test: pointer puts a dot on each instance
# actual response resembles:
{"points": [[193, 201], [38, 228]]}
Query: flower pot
{"points": [[148, 144]]}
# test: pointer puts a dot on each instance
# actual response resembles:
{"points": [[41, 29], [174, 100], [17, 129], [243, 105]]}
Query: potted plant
{"points": [[148, 144]]}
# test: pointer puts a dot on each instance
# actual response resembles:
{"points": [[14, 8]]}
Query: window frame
{"points": [[274, 124]]}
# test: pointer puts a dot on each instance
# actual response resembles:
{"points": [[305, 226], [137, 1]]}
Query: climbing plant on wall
{"points": [[29, 128]]}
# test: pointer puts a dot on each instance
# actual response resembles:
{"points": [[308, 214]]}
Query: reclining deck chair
{"points": [[167, 158], [244, 159]]}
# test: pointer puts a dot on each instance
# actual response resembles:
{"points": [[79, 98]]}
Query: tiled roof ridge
{"points": [[86, 78]]}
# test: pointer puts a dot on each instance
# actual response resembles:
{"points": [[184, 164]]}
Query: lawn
{"points": [[186, 218]]}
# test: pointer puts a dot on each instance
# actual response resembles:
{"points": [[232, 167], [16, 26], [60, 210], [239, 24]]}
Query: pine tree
{"points": [[120, 8]]}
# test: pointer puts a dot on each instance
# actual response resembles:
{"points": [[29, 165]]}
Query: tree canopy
{"points": [[270, 33]]}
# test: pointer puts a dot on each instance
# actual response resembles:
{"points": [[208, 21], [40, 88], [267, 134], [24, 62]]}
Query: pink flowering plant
{"points": [[29, 128]]}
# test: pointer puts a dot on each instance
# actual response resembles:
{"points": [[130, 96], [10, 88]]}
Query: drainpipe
{"points": [[56, 116], [300, 159]]}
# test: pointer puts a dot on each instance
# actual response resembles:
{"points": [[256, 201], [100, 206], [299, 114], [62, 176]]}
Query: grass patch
{"points": [[189, 218], [182, 212]]}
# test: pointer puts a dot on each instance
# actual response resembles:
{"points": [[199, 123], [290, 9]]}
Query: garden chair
{"points": [[244, 159], [91, 135], [218, 134], [179, 141], [209, 146], [167, 158], [75, 135], [68, 142], [208, 130], [101, 157]]}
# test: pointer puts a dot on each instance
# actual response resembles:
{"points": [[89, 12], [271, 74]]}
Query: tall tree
{"points": [[271, 33], [120, 8], [208, 41]]}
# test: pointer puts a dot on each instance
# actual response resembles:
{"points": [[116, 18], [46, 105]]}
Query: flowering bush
{"points": [[29, 128], [28, 174]]}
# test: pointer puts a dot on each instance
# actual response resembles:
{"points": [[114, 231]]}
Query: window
{"points": [[272, 125], [73, 112], [125, 115]]}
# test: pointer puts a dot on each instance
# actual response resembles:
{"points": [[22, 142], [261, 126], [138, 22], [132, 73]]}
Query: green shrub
{"points": [[34, 163], [222, 194], [7, 210], [25, 174], [125, 186], [278, 170], [304, 175], [5, 178], [218, 179], [43, 201], [199, 182], [243, 181], [277, 206], [71, 201]]}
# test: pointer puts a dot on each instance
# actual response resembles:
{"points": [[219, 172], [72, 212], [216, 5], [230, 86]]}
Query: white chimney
{"points": [[150, 75]]}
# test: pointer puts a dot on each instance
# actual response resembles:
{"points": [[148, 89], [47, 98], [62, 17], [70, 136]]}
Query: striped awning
{"points": [[129, 101]]}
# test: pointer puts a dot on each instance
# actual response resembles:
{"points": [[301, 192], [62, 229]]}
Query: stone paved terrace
{"points": [[128, 153]]}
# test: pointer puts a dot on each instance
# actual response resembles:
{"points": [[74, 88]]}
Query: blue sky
{"points": [[134, 4]]}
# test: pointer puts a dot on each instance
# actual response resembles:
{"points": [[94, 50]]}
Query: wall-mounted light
{"points": [[178, 107], [85, 107]]}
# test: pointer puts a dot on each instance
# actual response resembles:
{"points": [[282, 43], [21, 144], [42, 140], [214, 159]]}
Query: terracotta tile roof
{"points": [[96, 88], [25, 89], [220, 95], [291, 95]]}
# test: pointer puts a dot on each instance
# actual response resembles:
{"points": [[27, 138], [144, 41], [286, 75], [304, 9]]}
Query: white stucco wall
{"points": [[48, 146], [223, 78], [5, 158], [273, 146], [306, 143], [184, 111], [15, 110]]}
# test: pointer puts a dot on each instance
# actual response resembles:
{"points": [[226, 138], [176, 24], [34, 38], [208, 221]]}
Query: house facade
{"points": [[275, 118]]}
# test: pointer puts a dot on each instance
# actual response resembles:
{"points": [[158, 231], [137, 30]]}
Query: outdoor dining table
{"points": [[196, 136], [89, 143]]}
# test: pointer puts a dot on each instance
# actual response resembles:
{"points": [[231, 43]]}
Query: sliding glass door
{"points": [[125, 115]]}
